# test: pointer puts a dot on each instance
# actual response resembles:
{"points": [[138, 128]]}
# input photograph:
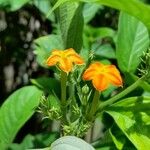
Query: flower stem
{"points": [[94, 106], [63, 96], [63, 87], [120, 95]]}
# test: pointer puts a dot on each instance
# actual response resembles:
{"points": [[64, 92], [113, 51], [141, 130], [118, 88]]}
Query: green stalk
{"points": [[94, 106], [63, 96], [120, 95]]}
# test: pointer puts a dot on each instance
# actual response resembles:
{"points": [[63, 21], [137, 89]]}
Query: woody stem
{"points": [[94, 105], [63, 96]]}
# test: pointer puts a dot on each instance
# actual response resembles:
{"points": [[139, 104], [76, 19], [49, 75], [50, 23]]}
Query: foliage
{"points": [[19, 107], [132, 39], [74, 102]]}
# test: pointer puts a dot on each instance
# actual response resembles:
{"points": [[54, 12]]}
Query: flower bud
{"points": [[85, 89]]}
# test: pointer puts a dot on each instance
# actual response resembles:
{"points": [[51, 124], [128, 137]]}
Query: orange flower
{"points": [[102, 75], [64, 59]]}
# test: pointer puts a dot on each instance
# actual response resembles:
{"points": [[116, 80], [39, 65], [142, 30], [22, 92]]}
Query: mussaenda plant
{"points": [[77, 111]]}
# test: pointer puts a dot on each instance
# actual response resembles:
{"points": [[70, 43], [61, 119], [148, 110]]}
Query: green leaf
{"points": [[89, 11], [47, 84], [54, 102], [98, 33], [132, 7], [26, 143], [15, 111], [44, 45], [117, 136], [45, 139], [70, 143], [105, 50], [120, 139], [44, 6], [132, 116], [104, 143], [93, 36], [132, 40], [12, 5], [71, 24], [36, 141]]}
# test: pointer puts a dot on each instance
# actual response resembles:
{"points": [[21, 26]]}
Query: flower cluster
{"points": [[101, 75]]}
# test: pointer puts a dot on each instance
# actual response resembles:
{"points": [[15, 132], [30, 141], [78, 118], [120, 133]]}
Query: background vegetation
{"points": [[27, 35]]}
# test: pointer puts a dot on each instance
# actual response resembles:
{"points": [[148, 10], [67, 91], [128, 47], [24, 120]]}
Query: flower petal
{"points": [[114, 76], [92, 71], [97, 66], [69, 51], [57, 52], [65, 64], [76, 59], [100, 83], [88, 74], [73, 56], [52, 60]]}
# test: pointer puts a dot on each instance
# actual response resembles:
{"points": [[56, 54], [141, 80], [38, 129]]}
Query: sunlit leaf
{"points": [[133, 40], [16, 110], [44, 6], [71, 24], [26, 143], [71, 143], [104, 50], [90, 10], [12, 4], [47, 84], [132, 7], [132, 116]]}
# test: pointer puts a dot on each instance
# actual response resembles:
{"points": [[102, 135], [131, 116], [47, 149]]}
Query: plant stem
{"points": [[63, 96], [120, 95], [94, 106], [63, 87]]}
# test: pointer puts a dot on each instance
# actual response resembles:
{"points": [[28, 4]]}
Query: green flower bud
{"points": [[85, 89]]}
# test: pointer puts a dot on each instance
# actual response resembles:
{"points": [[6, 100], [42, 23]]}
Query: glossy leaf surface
{"points": [[132, 116], [16, 110]]}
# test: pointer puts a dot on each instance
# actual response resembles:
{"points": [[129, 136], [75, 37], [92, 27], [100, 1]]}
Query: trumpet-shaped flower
{"points": [[102, 76], [64, 59]]}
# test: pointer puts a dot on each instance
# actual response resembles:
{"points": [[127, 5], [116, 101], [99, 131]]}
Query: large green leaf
{"points": [[133, 7], [98, 33], [12, 4], [44, 6], [132, 40], [105, 50], [70, 143], [90, 10], [44, 45], [15, 111], [120, 140], [36, 141], [49, 85], [93, 38], [132, 116], [25, 144], [71, 24]]}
